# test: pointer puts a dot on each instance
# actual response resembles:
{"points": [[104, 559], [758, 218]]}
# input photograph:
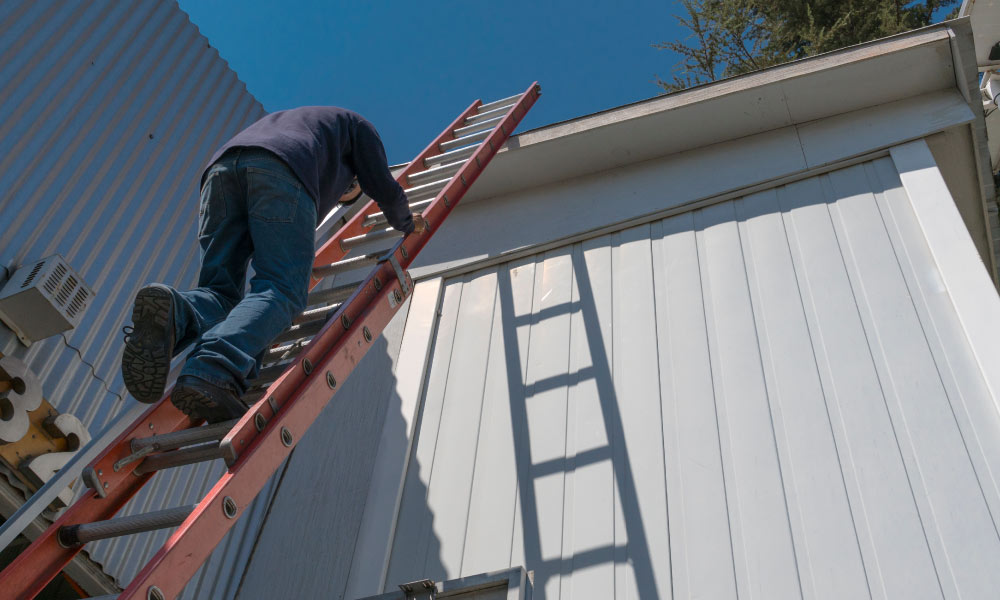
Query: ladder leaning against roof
{"points": [[307, 367]]}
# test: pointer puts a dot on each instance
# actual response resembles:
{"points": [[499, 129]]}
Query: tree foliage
{"points": [[729, 37]]}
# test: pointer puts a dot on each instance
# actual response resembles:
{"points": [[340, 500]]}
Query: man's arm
{"points": [[376, 180]]}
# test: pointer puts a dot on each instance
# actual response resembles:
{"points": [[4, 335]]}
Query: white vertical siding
{"points": [[108, 112], [771, 397]]}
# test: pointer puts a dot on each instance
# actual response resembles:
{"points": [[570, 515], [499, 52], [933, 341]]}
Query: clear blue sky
{"points": [[411, 67]]}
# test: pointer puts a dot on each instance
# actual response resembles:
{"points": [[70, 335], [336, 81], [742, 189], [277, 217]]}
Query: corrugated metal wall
{"points": [[769, 397], [108, 112]]}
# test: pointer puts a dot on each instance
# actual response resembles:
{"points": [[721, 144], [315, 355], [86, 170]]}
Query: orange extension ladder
{"points": [[309, 362]]}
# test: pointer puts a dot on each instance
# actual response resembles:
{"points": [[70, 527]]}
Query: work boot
{"points": [[198, 398], [149, 343]]}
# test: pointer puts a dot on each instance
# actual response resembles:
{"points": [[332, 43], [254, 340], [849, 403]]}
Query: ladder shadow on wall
{"points": [[633, 550]]}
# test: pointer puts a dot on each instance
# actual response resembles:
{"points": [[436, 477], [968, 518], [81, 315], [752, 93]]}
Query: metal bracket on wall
{"points": [[419, 590]]}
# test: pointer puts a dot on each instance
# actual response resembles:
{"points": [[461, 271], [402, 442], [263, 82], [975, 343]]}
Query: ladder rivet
{"points": [[368, 334], [345, 321], [259, 421], [402, 250], [229, 507], [105, 485], [378, 284], [100, 472], [330, 380], [150, 425], [154, 593], [307, 366], [286, 436]]}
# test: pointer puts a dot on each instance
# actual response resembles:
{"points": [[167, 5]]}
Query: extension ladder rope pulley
{"points": [[304, 368]]}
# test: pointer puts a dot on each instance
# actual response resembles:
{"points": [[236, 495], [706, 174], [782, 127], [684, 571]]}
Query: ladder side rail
{"points": [[332, 251], [293, 402], [40, 562], [449, 197], [261, 453]]}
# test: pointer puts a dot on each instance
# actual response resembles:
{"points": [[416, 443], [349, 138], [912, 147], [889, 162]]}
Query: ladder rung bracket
{"points": [[186, 437], [179, 458], [474, 138], [77, 535]]}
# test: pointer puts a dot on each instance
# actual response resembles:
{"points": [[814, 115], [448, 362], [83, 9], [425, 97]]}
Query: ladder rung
{"points": [[482, 116], [315, 313], [444, 170], [487, 124], [334, 294], [186, 437], [285, 352], [379, 218], [297, 332], [76, 535], [349, 264], [428, 189], [475, 138], [497, 103], [460, 154], [179, 458], [374, 236]]}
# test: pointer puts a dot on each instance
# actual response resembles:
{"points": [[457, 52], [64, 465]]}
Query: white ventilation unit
{"points": [[43, 298]]}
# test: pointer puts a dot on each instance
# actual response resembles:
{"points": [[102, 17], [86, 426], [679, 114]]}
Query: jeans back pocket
{"points": [[272, 196]]}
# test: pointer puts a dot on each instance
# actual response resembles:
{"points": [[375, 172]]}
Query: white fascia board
{"points": [[847, 80], [530, 220]]}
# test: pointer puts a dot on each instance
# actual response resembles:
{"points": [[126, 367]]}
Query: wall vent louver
{"points": [[34, 271], [55, 278], [78, 303], [43, 298]]}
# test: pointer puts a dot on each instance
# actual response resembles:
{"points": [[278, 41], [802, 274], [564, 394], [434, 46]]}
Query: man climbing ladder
{"points": [[288, 396], [260, 197]]}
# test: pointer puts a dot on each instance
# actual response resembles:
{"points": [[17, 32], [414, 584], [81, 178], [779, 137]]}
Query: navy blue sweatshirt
{"points": [[327, 147]]}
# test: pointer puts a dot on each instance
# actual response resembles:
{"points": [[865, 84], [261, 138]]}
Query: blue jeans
{"points": [[252, 205]]}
